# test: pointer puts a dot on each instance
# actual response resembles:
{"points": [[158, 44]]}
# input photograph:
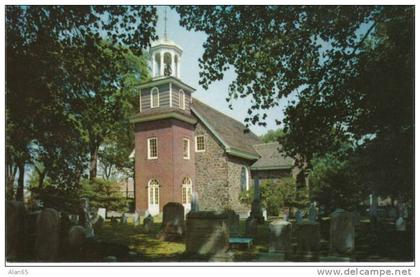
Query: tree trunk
{"points": [[11, 175], [93, 163], [19, 190]]}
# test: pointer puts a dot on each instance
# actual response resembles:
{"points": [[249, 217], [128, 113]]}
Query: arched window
{"points": [[167, 61], [186, 190], [244, 179], [181, 99], [154, 98], [153, 193]]}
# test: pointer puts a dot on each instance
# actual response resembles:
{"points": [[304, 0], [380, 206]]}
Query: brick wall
{"points": [[169, 168]]}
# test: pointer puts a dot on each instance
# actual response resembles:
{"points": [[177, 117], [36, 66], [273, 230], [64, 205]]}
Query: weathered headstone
{"points": [[251, 227], [233, 223], [342, 232], [76, 238], [256, 208], [148, 224], [308, 235], [312, 214], [298, 216], [194, 202], [47, 235], [173, 223], [207, 233], [280, 236], [102, 212], [136, 219], [124, 219], [15, 220], [400, 224]]}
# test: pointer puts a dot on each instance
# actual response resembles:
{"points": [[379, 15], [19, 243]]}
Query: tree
{"points": [[350, 68], [272, 135], [75, 72]]}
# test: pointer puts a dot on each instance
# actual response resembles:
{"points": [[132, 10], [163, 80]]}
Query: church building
{"points": [[185, 147]]}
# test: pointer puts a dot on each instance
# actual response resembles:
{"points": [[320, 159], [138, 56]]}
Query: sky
{"points": [[192, 45]]}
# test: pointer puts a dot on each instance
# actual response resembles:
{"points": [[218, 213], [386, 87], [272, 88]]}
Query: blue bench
{"points": [[237, 242]]}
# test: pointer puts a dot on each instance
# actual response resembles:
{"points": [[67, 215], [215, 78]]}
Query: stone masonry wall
{"points": [[211, 171], [234, 178]]}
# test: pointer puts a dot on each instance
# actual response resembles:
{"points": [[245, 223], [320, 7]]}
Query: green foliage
{"points": [[84, 56], [104, 193], [276, 194], [272, 135], [348, 69], [334, 184]]}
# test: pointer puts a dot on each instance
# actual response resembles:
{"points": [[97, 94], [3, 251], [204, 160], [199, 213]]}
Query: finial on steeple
{"points": [[164, 34]]}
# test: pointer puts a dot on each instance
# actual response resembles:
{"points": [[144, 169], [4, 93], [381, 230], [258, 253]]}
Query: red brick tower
{"points": [[164, 134]]}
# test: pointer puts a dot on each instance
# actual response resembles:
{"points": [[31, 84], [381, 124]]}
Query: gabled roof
{"points": [[272, 157], [227, 130]]}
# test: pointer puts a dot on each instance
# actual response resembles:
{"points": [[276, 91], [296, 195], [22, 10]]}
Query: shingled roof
{"points": [[227, 130], [272, 157]]}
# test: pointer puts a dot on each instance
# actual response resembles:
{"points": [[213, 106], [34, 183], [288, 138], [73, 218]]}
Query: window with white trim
{"points": [[153, 192], [152, 148], [199, 144], [181, 99], [154, 98], [186, 148], [186, 190]]}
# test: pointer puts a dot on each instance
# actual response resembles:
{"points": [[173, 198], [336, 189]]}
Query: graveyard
{"points": [[205, 236]]}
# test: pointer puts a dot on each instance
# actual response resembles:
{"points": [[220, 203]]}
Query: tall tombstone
{"points": [[136, 219], [47, 239], [102, 212], [299, 216], [312, 214], [308, 236], [173, 223], [76, 238], [207, 233], [148, 223], [342, 234], [280, 237], [233, 223], [194, 202], [256, 209], [15, 224]]}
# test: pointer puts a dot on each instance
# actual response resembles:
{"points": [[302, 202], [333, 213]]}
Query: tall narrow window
{"points": [[199, 144], [181, 99], [154, 98], [186, 191], [186, 145], [152, 148], [244, 179], [153, 192]]}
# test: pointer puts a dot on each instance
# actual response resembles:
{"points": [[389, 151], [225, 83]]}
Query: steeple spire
{"points": [[165, 36]]}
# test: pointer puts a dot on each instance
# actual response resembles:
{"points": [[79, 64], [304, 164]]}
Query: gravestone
{"points": [[47, 239], [233, 223], [312, 214], [124, 219], [15, 228], [136, 219], [298, 216], [256, 208], [173, 223], [148, 224], [400, 224], [280, 237], [308, 235], [207, 233], [251, 227], [102, 212], [342, 232], [194, 202], [76, 238]]}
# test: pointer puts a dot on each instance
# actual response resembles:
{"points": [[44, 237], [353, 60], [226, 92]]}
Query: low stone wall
{"points": [[207, 233]]}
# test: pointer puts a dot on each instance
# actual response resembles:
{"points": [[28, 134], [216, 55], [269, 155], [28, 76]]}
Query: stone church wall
{"points": [[235, 166], [211, 172]]}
